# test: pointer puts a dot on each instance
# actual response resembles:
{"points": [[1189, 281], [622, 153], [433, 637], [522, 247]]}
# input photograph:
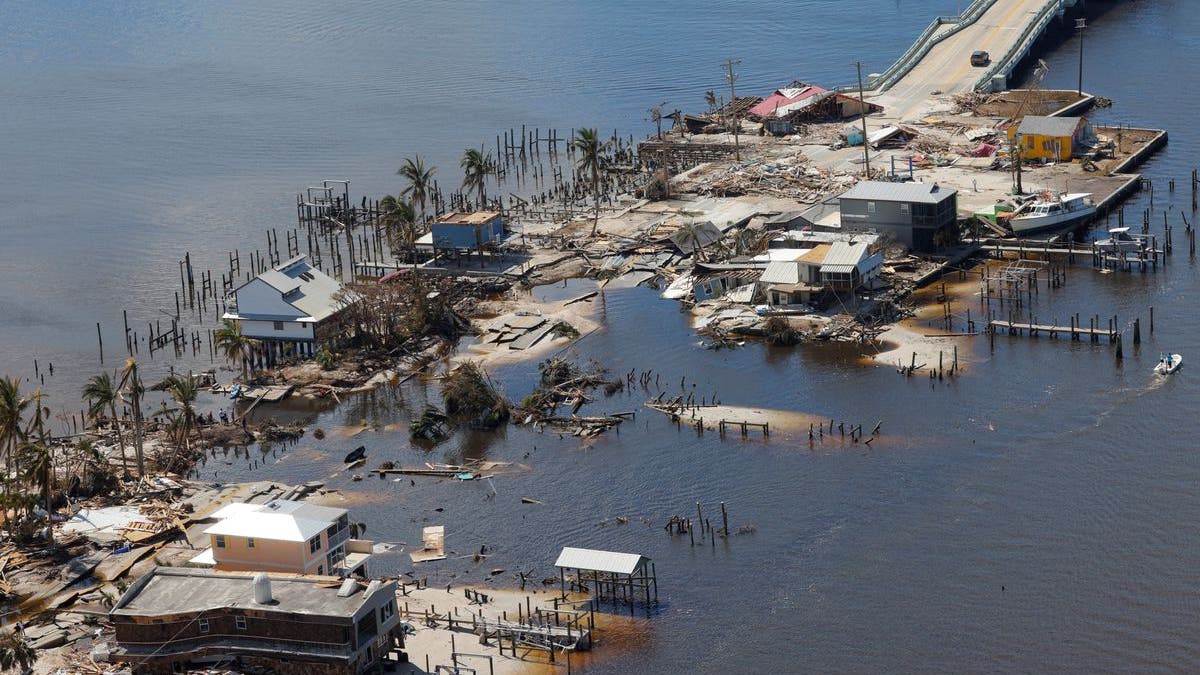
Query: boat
{"points": [[1049, 212], [1168, 363], [356, 454], [1119, 240]]}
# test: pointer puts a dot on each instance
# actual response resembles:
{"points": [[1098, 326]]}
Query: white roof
{"points": [[278, 519], [781, 272], [843, 258], [599, 561], [781, 254], [305, 287], [205, 558]]}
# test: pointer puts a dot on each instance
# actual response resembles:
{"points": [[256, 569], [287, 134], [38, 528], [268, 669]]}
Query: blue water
{"points": [[1039, 514]]}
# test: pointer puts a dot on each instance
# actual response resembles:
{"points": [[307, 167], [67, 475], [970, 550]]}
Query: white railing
{"points": [[922, 45], [1033, 31]]}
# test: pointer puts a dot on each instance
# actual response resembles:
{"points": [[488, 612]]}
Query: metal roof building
{"points": [[618, 576], [1049, 126], [913, 193]]}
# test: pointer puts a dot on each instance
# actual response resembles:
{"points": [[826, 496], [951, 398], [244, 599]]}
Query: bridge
{"points": [[939, 61]]}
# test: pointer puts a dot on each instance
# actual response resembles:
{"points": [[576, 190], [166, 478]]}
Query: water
{"points": [[1037, 514]]}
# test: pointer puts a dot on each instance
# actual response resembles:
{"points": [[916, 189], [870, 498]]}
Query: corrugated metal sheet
{"points": [[1038, 125], [914, 193], [600, 561], [781, 273], [844, 258]]}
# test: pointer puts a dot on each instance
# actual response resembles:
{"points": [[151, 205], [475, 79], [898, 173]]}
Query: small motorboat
{"points": [[1168, 363], [356, 454]]}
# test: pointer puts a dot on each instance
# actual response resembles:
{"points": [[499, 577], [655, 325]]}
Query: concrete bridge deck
{"points": [[1004, 29]]}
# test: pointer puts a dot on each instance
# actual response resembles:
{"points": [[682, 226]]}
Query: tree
{"points": [[710, 98], [689, 235], [132, 391], [400, 224], [232, 344], [39, 470], [420, 182], [590, 163], [184, 391], [12, 412], [100, 392], [477, 166], [16, 653]]}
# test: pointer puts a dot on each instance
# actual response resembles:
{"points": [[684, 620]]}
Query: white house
{"points": [[291, 307], [284, 536], [838, 267]]}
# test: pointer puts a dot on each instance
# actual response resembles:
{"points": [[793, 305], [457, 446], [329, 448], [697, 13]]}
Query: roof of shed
{"points": [[600, 561], [1039, 125]]}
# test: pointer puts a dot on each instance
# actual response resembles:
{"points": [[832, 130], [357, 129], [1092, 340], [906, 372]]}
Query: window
{"points": [[219, 540], [870, 207], [905, 209], [240, 622], [1031, 142], [249, 542], [387, 611], [278, 325], [314, 544], [203, 625]]}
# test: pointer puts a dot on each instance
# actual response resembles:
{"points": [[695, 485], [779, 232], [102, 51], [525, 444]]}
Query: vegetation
{"points": [[132, 391], [233, 345], [477, 166], [688, 236], [325, 358], [15, 653], [430, 426], [386, 316], [100, 392], [590, 164], [400, 224], [780, 333], [12, 435], [420, 183], [469, 393]]}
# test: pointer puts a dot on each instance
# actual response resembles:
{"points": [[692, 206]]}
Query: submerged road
{"points": [[947, 67]]}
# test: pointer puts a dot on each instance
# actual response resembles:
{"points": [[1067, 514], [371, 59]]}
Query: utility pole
{"points": [[729, 64], [862, 109], [1080, 24]]}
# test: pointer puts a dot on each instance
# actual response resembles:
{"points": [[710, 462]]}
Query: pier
{"points": [[1074, 331]]}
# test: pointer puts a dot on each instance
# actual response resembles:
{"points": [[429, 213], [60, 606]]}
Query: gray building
{"points": [[920, 215]]}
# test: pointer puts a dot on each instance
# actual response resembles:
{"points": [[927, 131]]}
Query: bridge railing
{"points": [[1033, 30], [920, 48]]}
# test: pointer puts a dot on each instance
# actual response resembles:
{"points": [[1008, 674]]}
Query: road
{"points": [[947, 67]]}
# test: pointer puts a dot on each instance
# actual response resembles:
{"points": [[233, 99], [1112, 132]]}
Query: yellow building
{"points": [[1056, 139]]}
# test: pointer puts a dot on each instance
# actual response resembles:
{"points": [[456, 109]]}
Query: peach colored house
{"points": [[285, 536]]}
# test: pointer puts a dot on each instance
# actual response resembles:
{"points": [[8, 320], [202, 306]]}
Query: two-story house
{"points": [[285, 536], [176, 619]]}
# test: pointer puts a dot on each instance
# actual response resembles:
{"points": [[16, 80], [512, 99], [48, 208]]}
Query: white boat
{"points": [[1049, 212], [1119, 240], [1168, 364]]}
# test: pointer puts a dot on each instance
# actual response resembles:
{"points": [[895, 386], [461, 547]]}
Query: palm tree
{"points": [[689, 234], [400, 223], [590, 163], [420, 181], [100, 392], [39, 469], [232, 344], [12, 411], [710, 98], [477, 166], [16, 653], [184, 390], [132, 391]]}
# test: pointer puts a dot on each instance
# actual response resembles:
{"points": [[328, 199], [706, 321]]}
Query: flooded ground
{"points": [[1037, 513]]}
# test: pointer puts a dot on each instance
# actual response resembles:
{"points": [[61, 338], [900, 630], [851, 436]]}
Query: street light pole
{"points": [[862, 110], [1080, 24]]}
